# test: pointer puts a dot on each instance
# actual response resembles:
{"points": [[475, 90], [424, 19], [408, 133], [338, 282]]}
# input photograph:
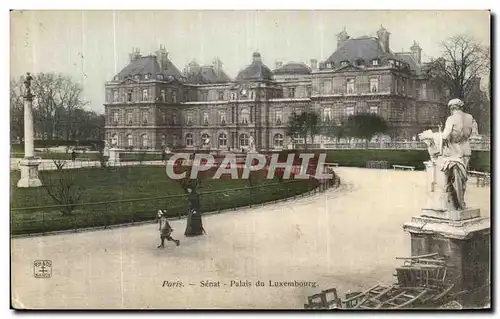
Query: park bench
{"points": [[332, 164], [403, 167], [482, 178]]}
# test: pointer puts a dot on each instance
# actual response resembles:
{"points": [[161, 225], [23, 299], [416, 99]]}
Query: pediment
{"points": [[348, 68], [129, 81]]}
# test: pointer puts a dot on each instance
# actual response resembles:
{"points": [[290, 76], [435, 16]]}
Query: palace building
{"points": [[151, 104]]}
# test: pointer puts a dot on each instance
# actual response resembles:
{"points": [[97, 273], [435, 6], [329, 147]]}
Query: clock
{"points": [[243, 92]]}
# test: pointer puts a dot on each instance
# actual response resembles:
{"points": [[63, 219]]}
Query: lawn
{"points": [[135, 193]]}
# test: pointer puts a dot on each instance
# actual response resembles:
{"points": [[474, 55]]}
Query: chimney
{"points": [[162, 57], [256, 57], [383, 39], [416, 51], [279, 64], [314, 64], [342, 38], [136, 54], [217, 66]]}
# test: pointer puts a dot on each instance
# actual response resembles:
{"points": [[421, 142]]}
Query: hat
{"points": [[455, 103]]}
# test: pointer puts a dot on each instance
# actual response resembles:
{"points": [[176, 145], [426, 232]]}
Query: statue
{"points": [[27, 85], [251, 145], [450, 153]]}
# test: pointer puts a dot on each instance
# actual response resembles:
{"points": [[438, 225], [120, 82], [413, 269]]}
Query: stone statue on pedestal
{"points": [[450, 153], [251, 145]]}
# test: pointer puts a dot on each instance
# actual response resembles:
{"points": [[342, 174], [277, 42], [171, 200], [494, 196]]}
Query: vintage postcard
{"points": [[310, 159]]}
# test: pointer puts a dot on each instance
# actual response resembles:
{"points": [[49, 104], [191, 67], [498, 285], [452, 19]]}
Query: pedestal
{"points": [[465, 244], [114, 157], [29, 173]]}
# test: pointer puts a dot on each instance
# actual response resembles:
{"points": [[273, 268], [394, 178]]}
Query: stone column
{"points": [[29, 164]]}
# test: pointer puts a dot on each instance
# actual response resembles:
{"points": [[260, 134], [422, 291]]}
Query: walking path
{"points": [[347, 239]]}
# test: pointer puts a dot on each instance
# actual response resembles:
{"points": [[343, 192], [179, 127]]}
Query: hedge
{"points": [[480, 160], [55, 143]]}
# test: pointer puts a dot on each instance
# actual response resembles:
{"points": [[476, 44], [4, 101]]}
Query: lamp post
{"points": [[29, 164]]}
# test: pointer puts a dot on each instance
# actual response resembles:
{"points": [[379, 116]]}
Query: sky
{"points": [[92, 46]]}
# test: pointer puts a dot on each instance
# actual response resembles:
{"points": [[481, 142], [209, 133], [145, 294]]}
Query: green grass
{"points": [[139, 192], [480, 160]]}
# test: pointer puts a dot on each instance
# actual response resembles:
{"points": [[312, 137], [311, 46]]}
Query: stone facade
{"points": [[151, 104]]}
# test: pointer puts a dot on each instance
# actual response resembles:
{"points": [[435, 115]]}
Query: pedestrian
{"points": [[165, 229], [73, 155]]}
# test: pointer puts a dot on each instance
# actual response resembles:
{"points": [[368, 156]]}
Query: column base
{"points": [[29, 173], [452, 215]]}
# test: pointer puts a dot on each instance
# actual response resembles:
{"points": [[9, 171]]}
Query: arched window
{"points": [[163, 96], [144, 139], [244, 140], [245, 116], [115, 96], [222, 140], [163, 140], [278, 140], [189, 139], [204, 138], [130, 140], [145, 94]]}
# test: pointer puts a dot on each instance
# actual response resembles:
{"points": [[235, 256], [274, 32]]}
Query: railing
{"points": [[43, 220], [475, 146]]}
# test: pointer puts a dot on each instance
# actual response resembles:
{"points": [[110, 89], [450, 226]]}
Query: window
{"points": [[344, 63], [205, 118], [309, 90], [174, 119], [145, 94], [327, 114], [322, 87], [163, 96], [328, 65], [396, 86], [374, 109], [145, 117], [115, 117], [244, 140], [174, 139], [360, 62], [278, 140], [374, 85], [222, 140], [129, 117], [144, 140], [115, 96], [375, 62], [189, 139], [174, 97], [233, 96], [349, 110], [350, 85], [221, 95], [137, 77], [252, 95], [163, 143], [291, 92], [279, 117], [204, 96], [159, 76], [130, 140], [147, 76], [245, 116], [189, 119], [222, 118], [129, 96], [114, 140], [205, 139], [163, 117], [424, 90], [117, 78]]}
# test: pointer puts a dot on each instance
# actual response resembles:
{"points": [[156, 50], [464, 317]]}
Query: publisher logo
{"points": [[43, 268]]}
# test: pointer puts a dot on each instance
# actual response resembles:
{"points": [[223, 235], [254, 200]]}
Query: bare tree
{"points": [[63, 189], [460, 67], [16, 109]]}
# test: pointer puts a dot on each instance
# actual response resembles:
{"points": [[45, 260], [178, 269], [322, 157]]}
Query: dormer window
{"points": [[329, 65], [116, 78], [137, 77], [344, 63], [159, 76], [147, 76], [375, 62], [360, 62]]}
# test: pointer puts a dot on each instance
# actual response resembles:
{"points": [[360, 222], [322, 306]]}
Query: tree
{"points": [[305, 124], [334, 131], [459, 69], [16, 110], [57, 106], [61, 186], [365, 126]]}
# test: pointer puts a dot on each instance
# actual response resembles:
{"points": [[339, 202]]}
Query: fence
{"points": [[46, 219], [475, 146]]}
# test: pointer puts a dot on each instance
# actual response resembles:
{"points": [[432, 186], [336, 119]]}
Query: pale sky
{"points": [[52, 41]]}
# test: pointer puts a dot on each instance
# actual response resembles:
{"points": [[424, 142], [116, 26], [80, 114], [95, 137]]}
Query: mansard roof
{"points": [[293, 68], [149, 65], [257, 71]]}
